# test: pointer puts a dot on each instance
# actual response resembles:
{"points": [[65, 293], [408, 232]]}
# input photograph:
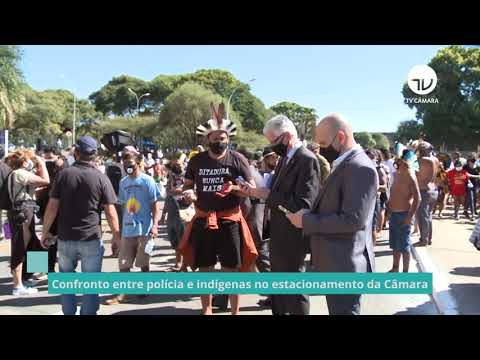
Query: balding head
{"points": [[334, 130]]}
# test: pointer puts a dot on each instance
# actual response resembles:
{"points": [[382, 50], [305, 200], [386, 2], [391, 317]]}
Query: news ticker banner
{"points": [[239, 283]]}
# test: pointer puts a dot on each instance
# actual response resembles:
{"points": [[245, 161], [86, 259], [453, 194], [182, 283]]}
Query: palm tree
{"points": [[11, 85]]}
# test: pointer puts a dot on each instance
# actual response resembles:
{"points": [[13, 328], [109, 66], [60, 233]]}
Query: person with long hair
{"points": [[28, 173]]}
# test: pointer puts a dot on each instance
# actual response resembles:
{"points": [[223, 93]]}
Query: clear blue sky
{"points": [[362, 82]]}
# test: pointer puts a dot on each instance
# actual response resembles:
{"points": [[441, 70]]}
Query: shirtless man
{"points": [[428, 168], [403, 203]]}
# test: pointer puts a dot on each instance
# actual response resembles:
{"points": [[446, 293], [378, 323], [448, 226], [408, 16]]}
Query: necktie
{"points": [[281, 167], [266, 212]]}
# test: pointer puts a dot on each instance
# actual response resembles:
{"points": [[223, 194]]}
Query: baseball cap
{"points": [[131, 149], [268, 151], [86, 145]]}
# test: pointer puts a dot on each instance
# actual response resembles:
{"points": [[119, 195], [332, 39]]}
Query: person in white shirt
{"points": [[149, 163]]}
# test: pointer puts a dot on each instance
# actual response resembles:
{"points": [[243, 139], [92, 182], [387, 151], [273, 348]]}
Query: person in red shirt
{"points": [[458, 180]]}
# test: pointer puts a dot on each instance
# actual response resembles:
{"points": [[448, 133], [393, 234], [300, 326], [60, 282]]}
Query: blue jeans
{"points": [[424, 214], [471, 200], [90, 254]]}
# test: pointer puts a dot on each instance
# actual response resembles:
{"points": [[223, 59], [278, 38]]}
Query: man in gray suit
{"points": [[340, 224], [294, 186]]}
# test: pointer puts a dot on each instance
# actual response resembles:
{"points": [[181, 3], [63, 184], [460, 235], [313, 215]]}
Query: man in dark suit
{"points": [[340, 224], [294, 186]]}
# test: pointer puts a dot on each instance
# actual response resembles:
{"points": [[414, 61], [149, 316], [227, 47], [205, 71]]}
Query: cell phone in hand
{"points": [[241, 181], [282, 209]]}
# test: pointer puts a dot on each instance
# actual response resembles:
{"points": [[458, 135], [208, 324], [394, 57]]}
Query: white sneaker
{"points": [[21, 291], [41, 276]]}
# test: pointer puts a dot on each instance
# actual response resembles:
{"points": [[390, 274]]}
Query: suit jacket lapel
{"points": [[284, 170], [278, 170], [292, 160]]}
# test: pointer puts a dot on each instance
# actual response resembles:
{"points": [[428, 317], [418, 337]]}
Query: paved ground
{"points": [[453, 260]]}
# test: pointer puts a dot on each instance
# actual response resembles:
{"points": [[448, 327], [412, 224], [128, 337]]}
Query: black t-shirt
{"points": [[115, 172], [473, 171], [209, 175], [82, 191]]}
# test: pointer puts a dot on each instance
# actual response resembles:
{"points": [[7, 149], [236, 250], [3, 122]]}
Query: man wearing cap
{"points": [[77, 195], [324, 164], [218, 230]]}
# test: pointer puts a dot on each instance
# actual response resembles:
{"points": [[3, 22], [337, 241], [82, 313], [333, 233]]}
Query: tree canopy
{"points": [[455, 119], [365, 139], [303, 117], [48, 113], [115, 99], [408, 130], [11, 85]]}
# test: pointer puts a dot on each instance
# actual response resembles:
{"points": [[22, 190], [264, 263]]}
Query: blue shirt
{"points": [[137, 195]]}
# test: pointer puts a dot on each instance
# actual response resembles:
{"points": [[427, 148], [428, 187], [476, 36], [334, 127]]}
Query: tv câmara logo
{"points": [[422, 79]]}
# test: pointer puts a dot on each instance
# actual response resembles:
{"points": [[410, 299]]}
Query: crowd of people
{"points": [[261, 211]]}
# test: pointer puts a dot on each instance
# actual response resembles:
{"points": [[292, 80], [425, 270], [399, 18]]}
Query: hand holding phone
{"points": [[240, 181]]}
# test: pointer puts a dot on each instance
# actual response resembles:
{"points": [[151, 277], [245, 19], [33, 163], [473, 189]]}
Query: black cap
{"points": [[268, 151]]}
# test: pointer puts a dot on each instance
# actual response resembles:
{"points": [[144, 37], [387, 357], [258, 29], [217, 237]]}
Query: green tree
{"points": [[408, 130], [365, 139], [251, 140], [186, 108], [303, 117], [115, 98], [47, 113], [456, 117], [381, 141], [251, 110], [11, 85]]}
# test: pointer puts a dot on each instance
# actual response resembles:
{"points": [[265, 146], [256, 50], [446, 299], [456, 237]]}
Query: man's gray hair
{"points": [[280, 124]]}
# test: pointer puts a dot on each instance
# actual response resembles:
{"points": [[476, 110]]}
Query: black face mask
{"points": [[330, 153], [130, 169], [218, 147], [280, 148]]}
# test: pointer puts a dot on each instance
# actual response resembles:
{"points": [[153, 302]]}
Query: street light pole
{"points": [[138, 105], [138, 98], [74, 117], [230, 98]]}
